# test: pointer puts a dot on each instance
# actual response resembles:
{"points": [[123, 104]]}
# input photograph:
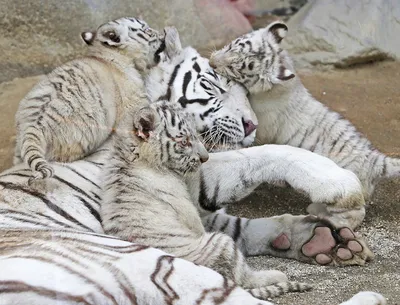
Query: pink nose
{"points": [[249, 127]]}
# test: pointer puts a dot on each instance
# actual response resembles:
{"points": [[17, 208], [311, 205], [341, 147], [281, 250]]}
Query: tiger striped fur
{"points": [[138, 184], [77, 183], [73, 110], [220, 108], [71, 202], [185, 77], [50, 255], [47, 267], [289, 115]]}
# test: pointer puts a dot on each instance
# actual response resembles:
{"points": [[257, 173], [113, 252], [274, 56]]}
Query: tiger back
{"points": [[74, 109]]}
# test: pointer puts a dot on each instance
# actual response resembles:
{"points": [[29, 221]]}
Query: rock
{"points": [[279, 7], [341, 33], [36, 36]]}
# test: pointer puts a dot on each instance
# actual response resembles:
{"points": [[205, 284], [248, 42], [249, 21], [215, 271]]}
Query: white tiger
{"points": [[289, 115], [50, 255], [76, 185], [41, 219], [48, 267], [146, 199], [71, 112]]}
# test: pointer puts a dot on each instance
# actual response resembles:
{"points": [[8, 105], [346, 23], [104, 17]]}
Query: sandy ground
{"points": [[370, 97]]}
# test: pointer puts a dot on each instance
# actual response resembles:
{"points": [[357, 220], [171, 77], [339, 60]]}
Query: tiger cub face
{"points": [[130, 37], [167, 138], [256, 59]]}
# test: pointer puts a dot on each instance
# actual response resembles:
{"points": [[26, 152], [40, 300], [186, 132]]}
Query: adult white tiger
{"points": [[188, 79], [289, 115]]}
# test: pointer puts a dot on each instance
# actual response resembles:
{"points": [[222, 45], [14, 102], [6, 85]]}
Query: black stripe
{"points": [[75, 188], [196, 67], [92, 211], [167, 95], [238, 228], [141, 36], [82, 176], [30, 134], [46, 201], [214, 221], [186, 80], [224, 226], [32, 158], [204, 201]]}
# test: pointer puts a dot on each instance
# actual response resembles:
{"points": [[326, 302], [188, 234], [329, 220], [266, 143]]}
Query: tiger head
{"points": [[167, 138], [256, 59], [219, 107], [129, 37]]}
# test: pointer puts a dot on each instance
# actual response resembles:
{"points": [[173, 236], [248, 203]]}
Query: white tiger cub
{"points": [[288, 114], [73, 110], [147, 201]]}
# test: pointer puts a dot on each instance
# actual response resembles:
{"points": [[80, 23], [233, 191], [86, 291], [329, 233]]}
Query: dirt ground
{"points": [[369, 96]]}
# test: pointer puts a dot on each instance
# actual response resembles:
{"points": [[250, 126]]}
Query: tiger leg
{"points": [[305, 238], [230, 176], [219, 252]]}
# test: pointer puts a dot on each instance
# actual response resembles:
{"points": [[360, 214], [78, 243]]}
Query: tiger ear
{"points": [[285, 74], [277, 30], [144, 123], [88, 37]]}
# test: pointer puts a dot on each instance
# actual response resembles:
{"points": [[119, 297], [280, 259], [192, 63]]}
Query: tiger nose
{"points": [[203, 159], [249, 127], [212, 63]]}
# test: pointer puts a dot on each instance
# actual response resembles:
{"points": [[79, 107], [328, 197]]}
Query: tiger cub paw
{"points": [[317, 241]]}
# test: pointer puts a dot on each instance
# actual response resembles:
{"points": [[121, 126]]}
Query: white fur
{"points": [[73, 110], [288, 114]]}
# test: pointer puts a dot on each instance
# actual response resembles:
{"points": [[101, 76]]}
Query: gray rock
{"points": [[343, 32], [36, 36]]}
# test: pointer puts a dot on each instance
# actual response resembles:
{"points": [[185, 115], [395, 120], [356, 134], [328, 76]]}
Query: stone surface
{"points": [[36, 36], [279, 4], [343, 32]]}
